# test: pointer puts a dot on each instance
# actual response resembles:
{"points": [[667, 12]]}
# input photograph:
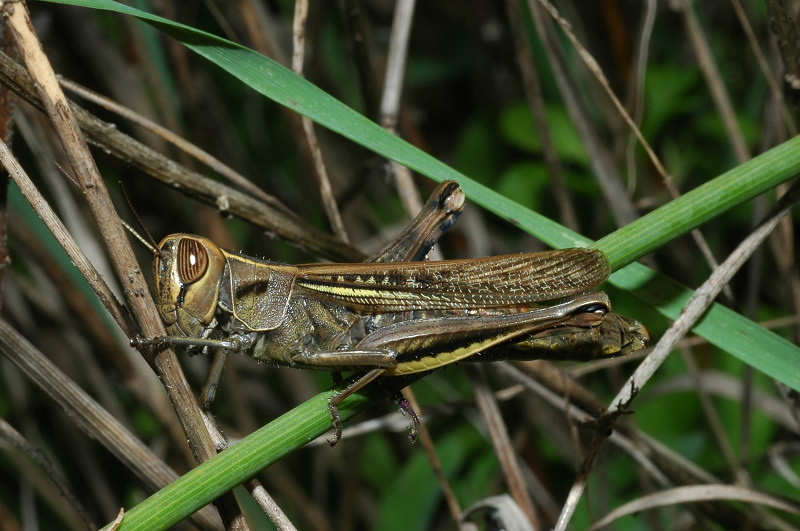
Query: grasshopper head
{"points": [[188, 271]]}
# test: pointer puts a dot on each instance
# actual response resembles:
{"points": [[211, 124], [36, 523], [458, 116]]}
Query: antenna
{"points": [[150, 243], [140, 237]]}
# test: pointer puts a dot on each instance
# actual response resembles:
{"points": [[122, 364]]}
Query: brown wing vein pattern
{"points": [[492, 282]]}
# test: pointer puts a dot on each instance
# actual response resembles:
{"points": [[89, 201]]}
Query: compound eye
{"points": [[192, 260]]}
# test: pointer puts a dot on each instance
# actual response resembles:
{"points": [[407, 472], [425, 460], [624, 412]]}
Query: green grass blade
{"points": [[697, 206], [242, 461]]}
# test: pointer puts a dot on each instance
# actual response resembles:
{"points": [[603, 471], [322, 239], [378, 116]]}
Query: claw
{"points": [[157, 344], [405, 408], [337, 424]]}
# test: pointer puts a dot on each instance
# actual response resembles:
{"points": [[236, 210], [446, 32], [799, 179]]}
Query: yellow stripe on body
{"points": [[399, 299], [441, 359]]}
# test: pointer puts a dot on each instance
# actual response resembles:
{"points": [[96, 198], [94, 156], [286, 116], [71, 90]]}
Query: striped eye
{"points": [[192, 260]]}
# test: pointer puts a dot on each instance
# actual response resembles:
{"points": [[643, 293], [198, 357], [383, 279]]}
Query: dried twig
{"points": [[233, 176], [90, 417], [225, 198], [600, 159], [533, 93], [498, 434], [390, 98], [114, 236], [719, 94], [13, 437], [436, 465], [320, 171], [104, 294], [692, 311], [606, 174]]}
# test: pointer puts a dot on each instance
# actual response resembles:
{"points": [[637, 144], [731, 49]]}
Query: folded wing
{"points": [[481, 283]]}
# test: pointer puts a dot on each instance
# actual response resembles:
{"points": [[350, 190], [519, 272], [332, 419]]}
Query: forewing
{"points": [[482, 283]]}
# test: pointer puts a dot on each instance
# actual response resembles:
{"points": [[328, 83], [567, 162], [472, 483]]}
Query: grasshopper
{"points": [[394, 314]]}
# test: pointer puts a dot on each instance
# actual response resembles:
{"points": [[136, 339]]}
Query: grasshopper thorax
{"points": [[188, 271]]}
